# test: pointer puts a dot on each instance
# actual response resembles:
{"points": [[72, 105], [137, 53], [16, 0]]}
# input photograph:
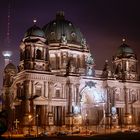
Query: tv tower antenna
{"points": [[7, 54], [8, 23]]}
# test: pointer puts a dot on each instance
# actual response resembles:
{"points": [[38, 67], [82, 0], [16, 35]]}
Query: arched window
{"points": [[38, 89], [38, 54], [27, 53], [118, 69], [20, 91]]}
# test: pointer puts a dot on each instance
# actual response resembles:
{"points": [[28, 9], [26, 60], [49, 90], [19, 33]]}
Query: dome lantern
{"points": [[60, 15]]}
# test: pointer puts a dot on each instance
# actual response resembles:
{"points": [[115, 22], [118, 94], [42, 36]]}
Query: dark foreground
{"points": [[115, 136]]}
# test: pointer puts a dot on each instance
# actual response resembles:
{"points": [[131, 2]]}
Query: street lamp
{"points": [[30, 116], [130, 117], [37, 125], [130, 120], [30, 119], [86, 123]]}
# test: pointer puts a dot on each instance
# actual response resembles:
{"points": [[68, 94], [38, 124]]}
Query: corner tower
{"points": [[34, 51], [125, 63]]}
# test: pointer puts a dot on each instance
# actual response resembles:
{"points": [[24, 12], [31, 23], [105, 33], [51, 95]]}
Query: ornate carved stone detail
{"points": [[90, 84], [63, 39]]}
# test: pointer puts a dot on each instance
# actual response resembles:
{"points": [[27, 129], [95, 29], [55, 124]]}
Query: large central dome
{"points": [[60, 27]]}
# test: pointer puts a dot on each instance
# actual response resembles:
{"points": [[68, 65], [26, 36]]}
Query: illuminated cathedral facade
{"points": [[56, 82]]}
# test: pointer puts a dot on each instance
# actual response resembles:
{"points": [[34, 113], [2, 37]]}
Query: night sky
{"points": [[103, 22]]}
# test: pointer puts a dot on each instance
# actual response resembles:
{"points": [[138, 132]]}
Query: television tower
{"points": [[7, 54]]}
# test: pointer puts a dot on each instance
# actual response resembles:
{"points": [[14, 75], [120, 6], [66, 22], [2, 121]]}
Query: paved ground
{"points": [[115, 136]]}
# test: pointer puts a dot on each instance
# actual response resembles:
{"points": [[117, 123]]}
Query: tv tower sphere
{"points": [[7, 55]]}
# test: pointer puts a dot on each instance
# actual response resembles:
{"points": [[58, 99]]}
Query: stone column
{"points": [[61, 61], [46, 89], [30, 89], [57, 61], [26, 103], [69, 104], [50, 84], [78, 62], [81, 61], [127, 117], [27, 95], [63, 115], [108, 107], [63, 91], [126, 100], [69, 86], [43, 115], [46, 114], [114, 96], [31, 97], [77, 95]]}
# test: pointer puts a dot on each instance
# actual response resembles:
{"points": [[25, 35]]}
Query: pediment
{"points": [[40, 98]]}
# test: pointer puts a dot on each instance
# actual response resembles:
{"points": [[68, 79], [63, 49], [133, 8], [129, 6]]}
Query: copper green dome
{"points": [[125, 50], [9, 67], [34, 31], [59, 27]]}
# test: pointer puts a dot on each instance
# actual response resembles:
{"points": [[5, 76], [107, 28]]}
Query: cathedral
{"points": [[56, 84]]}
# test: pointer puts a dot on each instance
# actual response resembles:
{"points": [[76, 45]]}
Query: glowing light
{"points": [[30, 116], [123, 40], [76, 109], [106, 61], [92, 95], [80, 116], [34, 21], [7, 53], [130, 117]]}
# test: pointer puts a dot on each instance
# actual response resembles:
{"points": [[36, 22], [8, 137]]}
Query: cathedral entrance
{"points": [[93, 115], [92, 105]]}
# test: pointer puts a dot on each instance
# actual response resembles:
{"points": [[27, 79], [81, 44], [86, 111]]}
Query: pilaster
{"points": [[128, 116]]}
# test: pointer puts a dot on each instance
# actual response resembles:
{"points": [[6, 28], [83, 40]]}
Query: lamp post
{"points": [[30, 119], [30, 116], [130, 120], [37, 125], [86, 123]]}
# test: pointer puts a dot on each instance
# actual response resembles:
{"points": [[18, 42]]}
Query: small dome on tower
{"points": [[35, 31], [9, 73], [125, 51], [9, 67]]}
